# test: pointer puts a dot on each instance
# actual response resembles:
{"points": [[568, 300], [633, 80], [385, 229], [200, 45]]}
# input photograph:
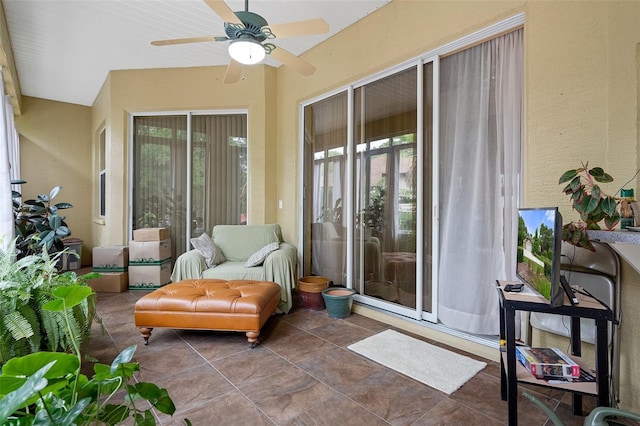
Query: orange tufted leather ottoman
{"points": [[209, 304]]}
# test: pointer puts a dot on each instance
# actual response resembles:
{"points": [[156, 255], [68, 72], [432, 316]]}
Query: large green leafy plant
{"points": [[47, 388], [26, 285], [372, 216], [38, 224], [590, 201]]}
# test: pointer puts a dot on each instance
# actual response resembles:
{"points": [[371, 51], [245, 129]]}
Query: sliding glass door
{"points": [[364, 197], [387, 269], [189, 173], [325, 179], [411, 184]]}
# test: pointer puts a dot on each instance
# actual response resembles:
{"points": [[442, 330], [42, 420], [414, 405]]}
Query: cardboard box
{"points": [[149, 252], [147, 277], [110, 282], [151, 234], [111, 259]]}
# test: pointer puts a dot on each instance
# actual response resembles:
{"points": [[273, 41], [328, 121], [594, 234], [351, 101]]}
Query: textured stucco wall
{"points": [[191, 89], [55, 148]]}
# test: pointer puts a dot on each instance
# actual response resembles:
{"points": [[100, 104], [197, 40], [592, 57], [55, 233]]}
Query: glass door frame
{"points": [[188, 116], [418, 312]]}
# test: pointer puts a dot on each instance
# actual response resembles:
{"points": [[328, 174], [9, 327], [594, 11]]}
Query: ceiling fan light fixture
{"points": [[247, 51]]}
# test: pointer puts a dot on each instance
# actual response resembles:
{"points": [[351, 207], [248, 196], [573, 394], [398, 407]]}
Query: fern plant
{"points": [[26, 285], [48, 388]]}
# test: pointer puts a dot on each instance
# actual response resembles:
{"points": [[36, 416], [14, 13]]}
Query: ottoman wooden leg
{"points": [[146, 333], [252, 337]]}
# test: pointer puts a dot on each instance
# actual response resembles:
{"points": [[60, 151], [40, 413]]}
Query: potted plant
{"points": [[591, 202], [38, 225], [26, 285], [372, 216], [48, 387]]}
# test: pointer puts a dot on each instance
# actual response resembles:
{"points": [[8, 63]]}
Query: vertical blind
{"points": [[217, 193]]}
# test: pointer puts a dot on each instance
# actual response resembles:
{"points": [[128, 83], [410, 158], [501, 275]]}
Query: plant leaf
{"points": [[600, 176], [608, 206], [28, 365], [62, 206], [70, 417], [596, 172], [576, 184], [14, 400], [123, 357], [55, 221], [595, 193], [612, 220], [585, 242], [567, 176], [55, 191], [158, 397], [588, 204], [18, 325], [64, 231], [113, 414], [68, 297]]}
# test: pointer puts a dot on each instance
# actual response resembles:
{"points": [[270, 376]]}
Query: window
{"points": [[102, 174]]}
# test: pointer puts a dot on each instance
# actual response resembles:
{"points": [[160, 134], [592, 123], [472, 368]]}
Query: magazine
{"points": [[548, 363]]}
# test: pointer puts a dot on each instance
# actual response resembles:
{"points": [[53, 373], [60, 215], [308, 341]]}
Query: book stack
{"points": [[547, 363]]}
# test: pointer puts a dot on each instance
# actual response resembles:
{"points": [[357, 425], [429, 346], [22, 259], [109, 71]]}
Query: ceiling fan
{"points": [[248, 33]]}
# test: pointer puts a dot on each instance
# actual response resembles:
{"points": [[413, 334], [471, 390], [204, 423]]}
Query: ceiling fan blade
{"points": [[300, 28], [223, 11], [183, 40], [292, 61], [234, 71]]}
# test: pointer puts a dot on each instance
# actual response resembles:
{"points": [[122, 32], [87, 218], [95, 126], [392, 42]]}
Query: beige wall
{"points": [[581, 94], [55, 145], [191, 89], [581, 104]]}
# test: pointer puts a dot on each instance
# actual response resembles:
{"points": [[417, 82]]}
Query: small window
{"points": [[102, 174]]}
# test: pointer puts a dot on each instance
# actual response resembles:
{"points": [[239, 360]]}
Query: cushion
{"points": [[239, 242], [207, 248], [258, 257]]}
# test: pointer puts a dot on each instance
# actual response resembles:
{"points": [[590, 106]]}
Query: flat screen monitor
{"points": [[539, 247]]}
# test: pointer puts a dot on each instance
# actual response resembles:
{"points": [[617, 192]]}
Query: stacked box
{"points": [[149, 252], [151, 234], [112, 263], [110, 282], [149, 259], [111, 259], [148, 277]]}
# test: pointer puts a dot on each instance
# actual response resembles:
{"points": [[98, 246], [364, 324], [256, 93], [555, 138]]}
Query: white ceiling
{"points": [[64, 49]]}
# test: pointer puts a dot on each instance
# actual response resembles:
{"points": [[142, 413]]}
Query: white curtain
{"points": [[480, 161], [9, 167], [219, 170]]}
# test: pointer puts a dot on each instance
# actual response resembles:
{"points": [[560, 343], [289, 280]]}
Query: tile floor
{"points": [[301, 374]]}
